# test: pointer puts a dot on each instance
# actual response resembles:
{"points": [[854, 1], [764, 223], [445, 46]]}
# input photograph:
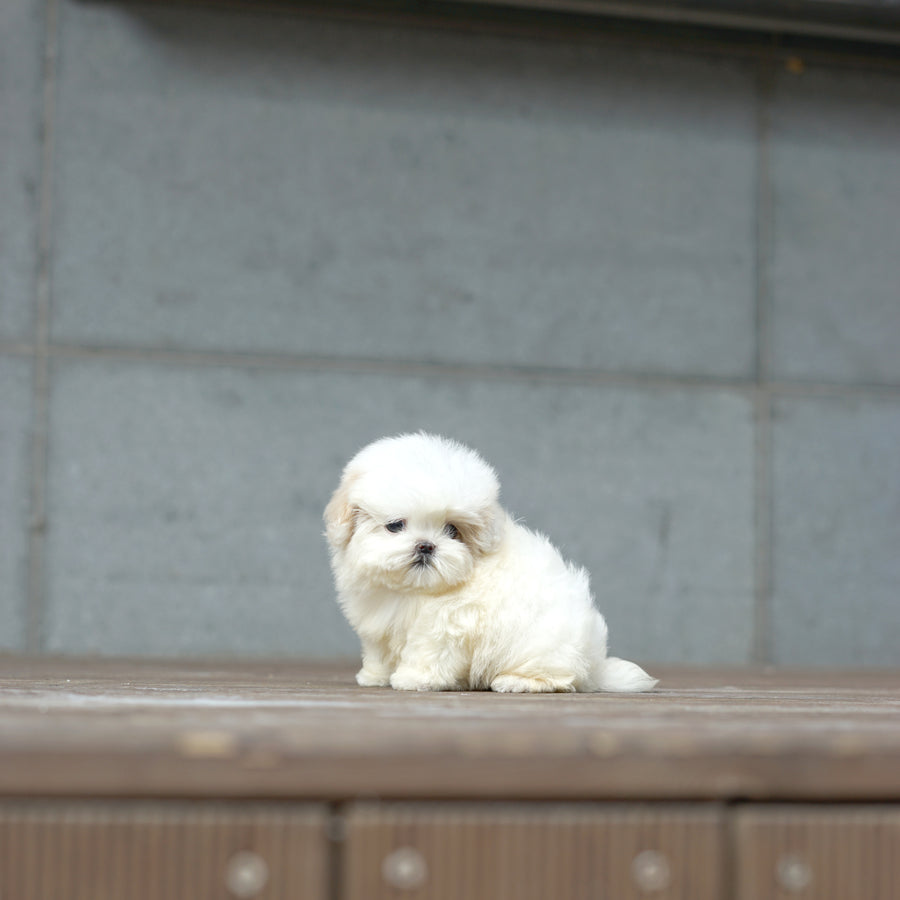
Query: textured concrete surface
{"points": [[275, 238], [837, 531], [15, 479], [189, 514], [20, 161], [836, 265], [390, 193]]}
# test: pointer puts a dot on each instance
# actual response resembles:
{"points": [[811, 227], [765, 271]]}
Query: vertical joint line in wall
{"points": [[336, 835], [762, 624], [764, 219], [34, 619], [762, 650]]}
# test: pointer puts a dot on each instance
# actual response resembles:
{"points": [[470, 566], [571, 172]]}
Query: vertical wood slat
{"points": [[157, 850], [818, 853], [533, 852]]}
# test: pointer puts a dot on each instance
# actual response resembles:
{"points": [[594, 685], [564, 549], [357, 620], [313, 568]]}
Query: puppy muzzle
{"points": [[424, 553]]}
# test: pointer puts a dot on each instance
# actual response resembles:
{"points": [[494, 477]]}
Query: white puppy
{"points": [[447, 592]]}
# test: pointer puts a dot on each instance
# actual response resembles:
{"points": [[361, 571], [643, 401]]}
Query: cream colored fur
{"points": [[447, 592]]}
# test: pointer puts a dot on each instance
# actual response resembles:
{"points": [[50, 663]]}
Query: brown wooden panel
{"points": [[818, 853], [532, 852], [176, 728], [161, 851]]}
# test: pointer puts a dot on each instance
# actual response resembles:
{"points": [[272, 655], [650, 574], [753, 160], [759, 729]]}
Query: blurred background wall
{"points": [[657, 285]]}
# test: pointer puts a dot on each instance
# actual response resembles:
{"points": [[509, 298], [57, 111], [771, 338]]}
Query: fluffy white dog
{"points": [[447, 592]]}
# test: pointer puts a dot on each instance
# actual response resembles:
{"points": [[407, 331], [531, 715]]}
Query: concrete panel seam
{"points": [[41, 360], [394, 366], [762, 499], [400, 367], [16, 348]]}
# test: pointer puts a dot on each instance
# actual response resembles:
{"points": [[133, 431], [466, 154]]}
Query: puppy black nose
{"points": [[425, 548]]}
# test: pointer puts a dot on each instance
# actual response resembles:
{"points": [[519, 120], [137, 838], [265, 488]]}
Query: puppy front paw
{"points": [[406, 679], [370, 678], [518, 684]]}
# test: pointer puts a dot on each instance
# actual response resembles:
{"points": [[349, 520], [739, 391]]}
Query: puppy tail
{"points": [[622, 676]]}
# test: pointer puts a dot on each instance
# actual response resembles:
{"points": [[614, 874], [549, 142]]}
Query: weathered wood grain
{"points": [[149, 851], [304, 730], [451, 851]]}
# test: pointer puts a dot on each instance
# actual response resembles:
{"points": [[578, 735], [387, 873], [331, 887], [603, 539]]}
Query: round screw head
{"points": [[246, 874], [405, 868], [793, 873], [651, 871]]}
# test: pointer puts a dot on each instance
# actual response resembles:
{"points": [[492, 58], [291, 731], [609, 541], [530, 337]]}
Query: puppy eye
{"points": [[451, 531], [394, 527]]}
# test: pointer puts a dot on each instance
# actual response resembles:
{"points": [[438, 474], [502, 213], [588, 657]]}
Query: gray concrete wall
{"points": [[657, 289]]}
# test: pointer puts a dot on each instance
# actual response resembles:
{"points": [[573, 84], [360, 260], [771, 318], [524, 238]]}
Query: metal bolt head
{"points": [[793, 873], [405, 868], [246, 874], [651, 871]]}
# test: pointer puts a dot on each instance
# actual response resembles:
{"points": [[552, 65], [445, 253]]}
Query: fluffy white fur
{"points": [[447, 592]]}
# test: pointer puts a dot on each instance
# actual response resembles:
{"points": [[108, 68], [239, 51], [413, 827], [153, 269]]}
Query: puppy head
{"points": [[413, 512]]}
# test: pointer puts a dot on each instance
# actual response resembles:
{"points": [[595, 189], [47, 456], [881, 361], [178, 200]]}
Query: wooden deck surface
{"points": [[306, 731]]}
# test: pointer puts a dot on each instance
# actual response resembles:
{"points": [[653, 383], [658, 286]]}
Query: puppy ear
{"points": [[486, 533], [340, 517]]}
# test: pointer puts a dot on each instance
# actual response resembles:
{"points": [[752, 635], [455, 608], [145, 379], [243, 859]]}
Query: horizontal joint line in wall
{"points": [[512, 372]]}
